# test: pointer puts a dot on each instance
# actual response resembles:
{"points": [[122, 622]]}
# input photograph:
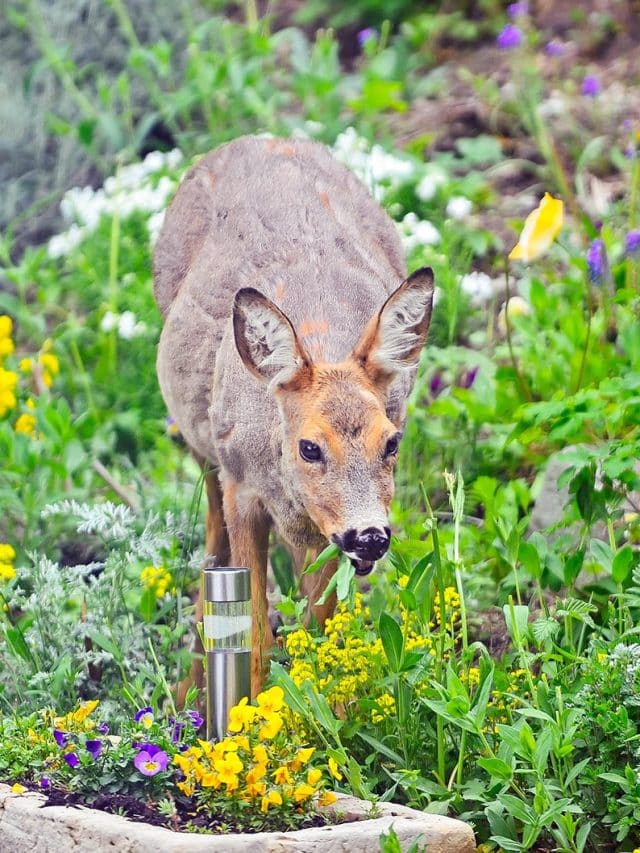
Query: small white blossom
{"points": [[478, 286], [109, 321], [428, 185], [62, 244], [459, 207], [128, 328], [417, 232]]}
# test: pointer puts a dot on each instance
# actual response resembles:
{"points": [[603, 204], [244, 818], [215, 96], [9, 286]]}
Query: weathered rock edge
{"points": [[26, 827]]}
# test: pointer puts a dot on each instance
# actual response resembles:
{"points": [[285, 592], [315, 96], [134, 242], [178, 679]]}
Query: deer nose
{"points": [[368, 545], [372, 543]]}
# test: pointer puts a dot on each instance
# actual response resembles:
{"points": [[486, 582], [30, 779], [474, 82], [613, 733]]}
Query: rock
{"points": [[26, 827]]}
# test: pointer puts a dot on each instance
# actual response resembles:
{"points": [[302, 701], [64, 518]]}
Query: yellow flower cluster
{"points": [[259, 763], [47, 363], [156, 578], [8, 378], [7, 556], [452, 609], [74, 721], [6, 330]]}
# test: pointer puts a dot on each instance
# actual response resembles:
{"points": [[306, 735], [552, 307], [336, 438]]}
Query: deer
{"points": [[290, 343]]}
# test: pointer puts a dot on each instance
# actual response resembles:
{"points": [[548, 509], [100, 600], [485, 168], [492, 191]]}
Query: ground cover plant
{"points": [[491, 668]]}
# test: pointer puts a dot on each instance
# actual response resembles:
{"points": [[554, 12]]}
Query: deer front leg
{"points": [[248, 529]]}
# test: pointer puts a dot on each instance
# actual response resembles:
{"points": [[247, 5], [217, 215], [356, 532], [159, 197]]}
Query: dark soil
{"points": [[184, 818]]}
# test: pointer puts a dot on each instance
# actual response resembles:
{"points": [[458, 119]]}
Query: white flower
{"points": [[62, 244], [428, 185], [417, 232], [459, 207], [127, 326], [478, 286], [109, 321]]}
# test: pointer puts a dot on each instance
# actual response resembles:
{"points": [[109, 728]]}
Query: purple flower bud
{"points": [[45, 783], [469, 377], [60, 737], [555, 48], [590, 86], [94, 747], [366, 34], [596, 261], [436, 385], [196, 719], [514, 10], [632, 242], [71, 758], [511, 36]]}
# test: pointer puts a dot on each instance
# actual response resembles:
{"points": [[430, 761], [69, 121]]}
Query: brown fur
{"points": [[285, 319]]}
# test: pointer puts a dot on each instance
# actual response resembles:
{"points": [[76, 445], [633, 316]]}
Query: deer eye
{"points": [[392, 446], [309, 451]]}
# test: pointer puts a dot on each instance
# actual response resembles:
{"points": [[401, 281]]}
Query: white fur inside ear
{"points": [[397, 340], [271, 344]]}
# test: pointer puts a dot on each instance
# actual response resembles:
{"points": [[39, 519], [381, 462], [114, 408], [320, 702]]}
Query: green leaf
{"points": [[392, 641], [380, 747], [328, 553], [621, 565], [148, 603], [104, 642], [497, 768], [344, 575], [528, 556], [517, 619], [292, 693], [17, 642]]}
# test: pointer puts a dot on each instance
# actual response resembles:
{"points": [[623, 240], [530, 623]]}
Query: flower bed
{"points": [[25, 826]]}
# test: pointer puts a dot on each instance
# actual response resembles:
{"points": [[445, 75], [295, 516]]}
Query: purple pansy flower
{"points": [[596, 261], [514, 10], [196, 719], [555, 48], [71, 758], [151, 760], [144, 716], [511, 36], [102, 728], [60, 737], [632, 242], [94, 747], [590, 86], [45, 783]]}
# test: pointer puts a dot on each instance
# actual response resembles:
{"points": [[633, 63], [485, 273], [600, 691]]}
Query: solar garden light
{"points": [[226, 595]]}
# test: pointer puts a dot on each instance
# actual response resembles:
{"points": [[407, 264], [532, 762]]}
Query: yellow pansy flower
{"points": [[327, 798], [541, 227], [314, 776], [271, 727], [240, 715], [333, 769], [18, 788], [303, 792], [270, 701], [273, 798]]}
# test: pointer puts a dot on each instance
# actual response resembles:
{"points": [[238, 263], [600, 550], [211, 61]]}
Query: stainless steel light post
{"points": [[226, 594]]}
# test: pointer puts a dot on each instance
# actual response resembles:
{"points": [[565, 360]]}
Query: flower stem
{"points": [[523, 389]]}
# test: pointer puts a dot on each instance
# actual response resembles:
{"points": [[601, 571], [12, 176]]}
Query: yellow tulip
{"points": [[541, 227]]}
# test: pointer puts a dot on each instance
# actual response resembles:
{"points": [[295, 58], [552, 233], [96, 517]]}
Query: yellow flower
{"points": [[541, 227], [25, 365], [7, 572], [303, 792], [282, 776], [7, 553], [6, 326], [229, 765], [260, 755], [240, 715], [256, 774], [333, 769], [273, 798], [271, 727], [50, 363], [271, 701], [327, 798], [6, 347], [8, 383], [314, 776], [26, 424], [17, 788], [301, 757]]}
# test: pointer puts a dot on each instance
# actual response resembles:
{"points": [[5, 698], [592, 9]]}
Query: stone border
{"points": [[26, 827]]}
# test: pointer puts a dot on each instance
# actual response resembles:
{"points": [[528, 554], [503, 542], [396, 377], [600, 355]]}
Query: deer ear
{"points": [[266, 340], [393, 338]]}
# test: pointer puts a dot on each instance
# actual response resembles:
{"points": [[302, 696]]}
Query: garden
{"points": [[488, 669]]}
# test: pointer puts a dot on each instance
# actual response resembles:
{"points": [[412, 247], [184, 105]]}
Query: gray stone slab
{"points": [[26, 827]]}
